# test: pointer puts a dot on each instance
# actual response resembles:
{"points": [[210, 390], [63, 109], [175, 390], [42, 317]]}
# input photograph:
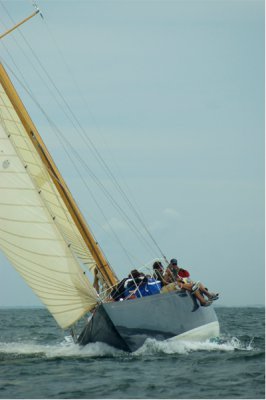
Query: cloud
{"points": [[168, 216], [115, 224], [171, 213]]}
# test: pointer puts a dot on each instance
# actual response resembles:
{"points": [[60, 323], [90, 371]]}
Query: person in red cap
{"points": [[173, 271]]}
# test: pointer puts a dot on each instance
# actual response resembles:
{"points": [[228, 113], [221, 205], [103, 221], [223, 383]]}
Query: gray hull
{"points": [[127, 324]]}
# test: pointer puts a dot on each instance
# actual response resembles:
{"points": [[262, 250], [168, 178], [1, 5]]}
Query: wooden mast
{"points": [[102, 264]]}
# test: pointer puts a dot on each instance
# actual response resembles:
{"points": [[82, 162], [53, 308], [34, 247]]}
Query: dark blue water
{"points": [[38, 361]]}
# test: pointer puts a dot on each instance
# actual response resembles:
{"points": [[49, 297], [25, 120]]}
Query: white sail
{"points": [[37, 232]]}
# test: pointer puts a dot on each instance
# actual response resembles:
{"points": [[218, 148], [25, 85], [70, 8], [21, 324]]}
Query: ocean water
{"points": [[37, 361]]}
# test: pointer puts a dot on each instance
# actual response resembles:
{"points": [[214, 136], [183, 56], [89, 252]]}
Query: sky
{"points": [[171, 93]]}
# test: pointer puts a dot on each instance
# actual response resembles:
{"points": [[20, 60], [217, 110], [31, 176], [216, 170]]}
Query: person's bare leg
{"points": [[188, 286], [200, 298], [206, 292]]}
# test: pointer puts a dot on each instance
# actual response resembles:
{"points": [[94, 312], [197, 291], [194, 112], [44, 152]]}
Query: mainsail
{"points": [[40, 233]]}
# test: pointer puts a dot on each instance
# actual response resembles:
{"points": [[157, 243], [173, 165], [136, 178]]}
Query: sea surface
{"points": [[38, 360]]}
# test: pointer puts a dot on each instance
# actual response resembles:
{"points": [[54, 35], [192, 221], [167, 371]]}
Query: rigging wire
{"points": [[96, 153], [62, 140], [86, 166], [54, 41], [113, 201], [62, 143], [52, 188], [87, 139], [93, 176]]}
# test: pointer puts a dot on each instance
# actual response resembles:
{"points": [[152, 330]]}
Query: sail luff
{"points": [[102, 264]]}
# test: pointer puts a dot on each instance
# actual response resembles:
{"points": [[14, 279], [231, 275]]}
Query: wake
{"points": [[186, 347], [68, 349]]}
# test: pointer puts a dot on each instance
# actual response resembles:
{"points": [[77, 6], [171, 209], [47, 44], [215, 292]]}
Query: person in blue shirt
{"points": [[141, 285]]}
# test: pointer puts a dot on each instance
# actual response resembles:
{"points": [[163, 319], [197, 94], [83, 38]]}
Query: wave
{"points": [[68, 349], [60, 350], [186, 347]]}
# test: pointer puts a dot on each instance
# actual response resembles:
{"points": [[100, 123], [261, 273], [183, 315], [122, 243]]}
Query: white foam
{"points": [[185, 347], [69, 349], [65, 349]]}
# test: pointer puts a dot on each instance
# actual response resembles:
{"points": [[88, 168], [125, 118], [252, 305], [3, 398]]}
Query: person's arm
{"points": [[167, 277], [96, 281]]}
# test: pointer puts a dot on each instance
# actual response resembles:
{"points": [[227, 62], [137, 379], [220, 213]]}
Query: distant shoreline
{"points": [[40, 307]]}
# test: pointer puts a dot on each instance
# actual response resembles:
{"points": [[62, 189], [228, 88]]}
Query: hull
{"points": [[170, 316]]}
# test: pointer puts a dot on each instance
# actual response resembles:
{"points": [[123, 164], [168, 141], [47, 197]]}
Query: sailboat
{"points": [[47, 240]]}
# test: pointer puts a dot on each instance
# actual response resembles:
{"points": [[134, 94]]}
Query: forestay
{"points": [[37, 232]]}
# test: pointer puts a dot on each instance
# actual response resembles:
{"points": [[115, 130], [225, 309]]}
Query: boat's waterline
{"points": [[200, 333]]}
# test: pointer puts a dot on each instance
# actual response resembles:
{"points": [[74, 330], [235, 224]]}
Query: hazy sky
{"points": [[172, 95]]}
